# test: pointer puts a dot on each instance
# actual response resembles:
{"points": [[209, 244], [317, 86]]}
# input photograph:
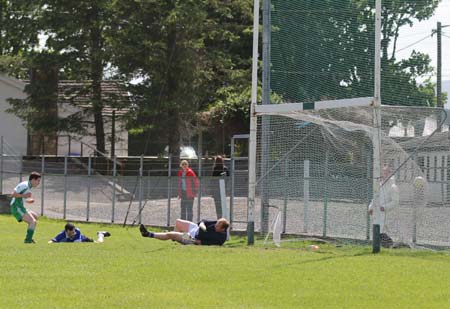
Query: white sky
{"points": [[410, 35]]}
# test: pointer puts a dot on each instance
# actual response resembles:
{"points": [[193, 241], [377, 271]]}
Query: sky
{"points": [[419, 38]]}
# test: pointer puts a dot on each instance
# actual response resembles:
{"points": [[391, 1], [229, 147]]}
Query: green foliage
{"points": [[194, 58], [18, 26], [39, 109], [128, 271], [186, 53], [341, 33], [14, 66]]}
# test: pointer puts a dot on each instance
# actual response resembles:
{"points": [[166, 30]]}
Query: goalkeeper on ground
{"points": [[70, 234], [186, 232], [389, 199]]}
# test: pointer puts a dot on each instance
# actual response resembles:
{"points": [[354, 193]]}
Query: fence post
{"points": [[89, 187], [20, 169], [65, 187], [169, 189], [42, 183], [199, 194], [368, 200], [305, 195], [141, 168], [376, 238], [1, 164], [286, 192], [232, 182], [325, 204], [114, 189]]}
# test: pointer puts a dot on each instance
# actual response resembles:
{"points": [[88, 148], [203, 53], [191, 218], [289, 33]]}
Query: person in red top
{"points": [[187, 190]]}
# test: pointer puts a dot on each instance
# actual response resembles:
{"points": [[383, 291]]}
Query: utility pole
{"points": [[438, 32], [439, 66]]}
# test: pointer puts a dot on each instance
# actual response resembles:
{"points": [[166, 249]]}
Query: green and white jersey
{"points": [[21, 188]]}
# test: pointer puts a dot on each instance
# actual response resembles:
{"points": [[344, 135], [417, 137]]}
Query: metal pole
{"points": [[65, 187], [377, 118], [253, 128], [169, 189], [376, 238], [232, 182], [141, 169], [42, 183], [368, 197], [20, 168], [265, 119], [113, 134], [305, 195], [1, 164], [114, 189], [286, 193], [439, 66], [200, 156], [70, 146], [325, 204], [89, 187]]}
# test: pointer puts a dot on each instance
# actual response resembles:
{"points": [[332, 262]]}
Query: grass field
{"points": [[130, 271]]}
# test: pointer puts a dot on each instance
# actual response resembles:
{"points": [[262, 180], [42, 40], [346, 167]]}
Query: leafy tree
{"points": [[184, 51], [335, 57], [18, 35], [76, 31]]}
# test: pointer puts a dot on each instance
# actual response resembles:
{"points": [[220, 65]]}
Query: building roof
{"points": [[114, 95], [440, 141]]}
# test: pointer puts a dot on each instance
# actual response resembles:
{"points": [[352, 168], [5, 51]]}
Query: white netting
{"points": [[317, 167]]}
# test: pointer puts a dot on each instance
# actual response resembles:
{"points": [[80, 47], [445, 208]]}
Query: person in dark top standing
{"points": [[219, 170], [204, 233]]}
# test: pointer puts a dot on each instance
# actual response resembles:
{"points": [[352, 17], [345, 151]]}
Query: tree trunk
{"points": [[97, 74], [173, 135]]}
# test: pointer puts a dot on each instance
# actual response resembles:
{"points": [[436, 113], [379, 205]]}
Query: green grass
{"points": [[130, 271]]}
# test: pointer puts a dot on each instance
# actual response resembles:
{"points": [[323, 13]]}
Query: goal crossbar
{"points": [[280, 109]]}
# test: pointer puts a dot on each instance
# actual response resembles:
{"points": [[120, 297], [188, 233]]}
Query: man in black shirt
{"points": [[186, 232]]}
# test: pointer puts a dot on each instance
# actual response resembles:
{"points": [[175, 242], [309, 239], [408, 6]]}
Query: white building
{"points": [[72, 98]]}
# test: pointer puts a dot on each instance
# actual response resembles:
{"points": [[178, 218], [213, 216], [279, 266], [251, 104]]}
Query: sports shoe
{"points": [[105, 233], [29, 241], [144, 231]]}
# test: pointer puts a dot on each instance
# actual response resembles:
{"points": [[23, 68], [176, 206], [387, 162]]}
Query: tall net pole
{"points": [[253, 127], [377, 117]]}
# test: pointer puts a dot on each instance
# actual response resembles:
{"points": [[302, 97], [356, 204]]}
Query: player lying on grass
{"points": [[186, 232], [73, 234], [18, 210]]}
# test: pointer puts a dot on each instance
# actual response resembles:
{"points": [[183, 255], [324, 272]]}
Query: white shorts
{"points": [[193, 230]]}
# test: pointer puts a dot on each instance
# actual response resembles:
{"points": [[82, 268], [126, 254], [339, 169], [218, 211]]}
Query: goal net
{"points": [[316, 167], [325, 149]]}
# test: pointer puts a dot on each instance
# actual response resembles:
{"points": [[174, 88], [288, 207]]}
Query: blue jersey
{"points": [[63, 237]]}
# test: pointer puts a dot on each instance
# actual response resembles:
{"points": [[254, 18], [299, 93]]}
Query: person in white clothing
{"points": [[389, 199]]}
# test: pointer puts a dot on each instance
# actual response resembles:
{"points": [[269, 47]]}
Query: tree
{"points": [[39, 110], [18, 35], [325, 49], [184, 52], [76, 32]]}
